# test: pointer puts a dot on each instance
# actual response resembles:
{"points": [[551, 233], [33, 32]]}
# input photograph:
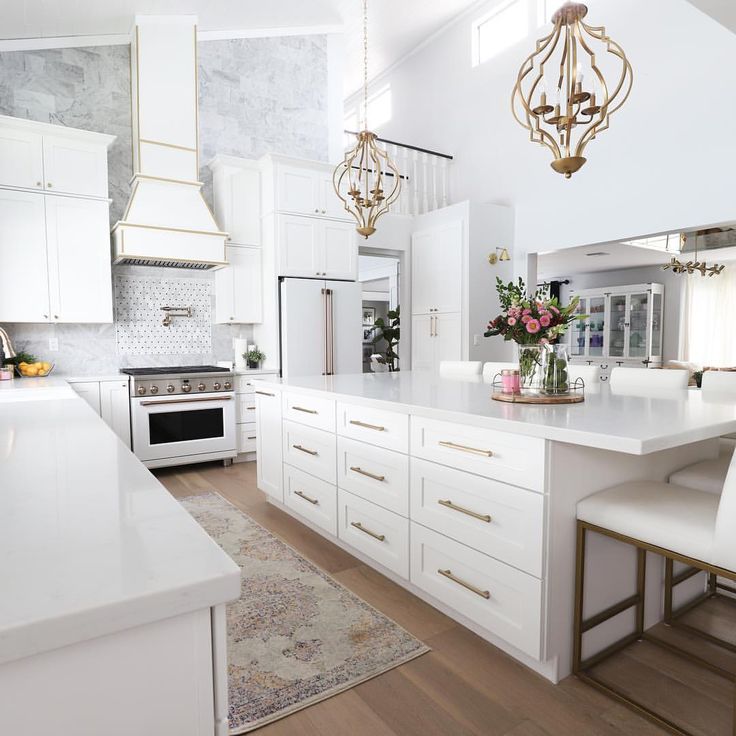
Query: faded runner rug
{"points": [[295, 636]]}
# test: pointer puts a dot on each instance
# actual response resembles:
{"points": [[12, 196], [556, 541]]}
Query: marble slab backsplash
{"points": [[137, 338]]}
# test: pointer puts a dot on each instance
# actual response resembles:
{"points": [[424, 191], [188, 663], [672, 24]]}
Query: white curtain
{"points": [[708, 313]]}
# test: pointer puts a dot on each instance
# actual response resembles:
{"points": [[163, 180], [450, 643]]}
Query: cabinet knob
{"points": [[316, 211], [232, 318], [49, 184], [56, 316], [38, 183], [45, 316]]}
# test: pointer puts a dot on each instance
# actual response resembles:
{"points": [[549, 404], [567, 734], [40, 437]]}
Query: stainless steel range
{"points": [[182, 414]]}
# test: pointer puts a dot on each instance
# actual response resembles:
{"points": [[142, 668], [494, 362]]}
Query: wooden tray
{"points": [[534, 398]]}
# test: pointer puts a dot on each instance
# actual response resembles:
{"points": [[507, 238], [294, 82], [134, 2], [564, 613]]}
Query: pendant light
{"points": [[581, 98], [360, 179], [691, 267]]}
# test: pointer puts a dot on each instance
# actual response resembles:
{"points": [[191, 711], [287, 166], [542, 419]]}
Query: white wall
{"points": [[666, 163], [673, 290]]}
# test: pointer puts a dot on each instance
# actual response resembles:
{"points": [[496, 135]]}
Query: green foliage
{"points": [[390, 333], [22, 357], [255, 356]]}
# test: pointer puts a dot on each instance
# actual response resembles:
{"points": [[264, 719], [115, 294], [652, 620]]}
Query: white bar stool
{"points": [[591, 374], [642, 378], [710, 475], [460, 367], [491, 370], [680, 524]]}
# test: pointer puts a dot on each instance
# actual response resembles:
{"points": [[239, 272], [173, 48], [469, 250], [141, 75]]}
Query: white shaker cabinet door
{"points": [[422, 342], [268, 443], [299, 247], [21, 159], [90, 392], [80, 282], [238, 287], [74, 167], [297, 190], [447, 337], [330, 204], [339, 250], [24, 287], [115, 408]]}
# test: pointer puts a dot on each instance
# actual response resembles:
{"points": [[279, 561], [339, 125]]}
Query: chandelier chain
{"points": [[365, 64]]}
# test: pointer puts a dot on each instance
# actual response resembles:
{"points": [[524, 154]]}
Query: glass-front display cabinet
{"points": [[623, 326]]}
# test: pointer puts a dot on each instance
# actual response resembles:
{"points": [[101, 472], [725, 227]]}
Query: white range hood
{"points": [[167, 222]]}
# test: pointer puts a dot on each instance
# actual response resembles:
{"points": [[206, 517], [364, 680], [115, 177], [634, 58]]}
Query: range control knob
{"points": [[216, 386], [141, 390], [186, 387], [154, 389], [170, 389], [228, 385], [201, 387]]}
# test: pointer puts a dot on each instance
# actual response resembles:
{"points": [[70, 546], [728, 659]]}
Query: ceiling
{"points": [[395, 28], [724, 11]]}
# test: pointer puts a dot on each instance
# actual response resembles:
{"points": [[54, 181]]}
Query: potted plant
{"points": [[254, 357], [391, 333], [535, 323]]}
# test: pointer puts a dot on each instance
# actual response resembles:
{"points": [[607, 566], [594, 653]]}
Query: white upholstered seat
{"points": [[710, 475], [644, 378], [460, 367], [591, 374], [492, 369]]}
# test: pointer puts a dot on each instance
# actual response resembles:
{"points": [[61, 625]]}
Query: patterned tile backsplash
{"points": [[138, 337]]}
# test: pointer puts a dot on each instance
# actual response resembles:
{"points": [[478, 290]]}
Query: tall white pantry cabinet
{"points": [[54, 224], [453, 285]]}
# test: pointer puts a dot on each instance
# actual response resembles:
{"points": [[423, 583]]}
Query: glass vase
{"points": [[530, 366], [554, 374]]}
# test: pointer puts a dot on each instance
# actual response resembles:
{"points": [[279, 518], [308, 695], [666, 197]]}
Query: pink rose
{"points": [[526, 318], [544, 320], [527, 311], [511, 321], [532, 326]]}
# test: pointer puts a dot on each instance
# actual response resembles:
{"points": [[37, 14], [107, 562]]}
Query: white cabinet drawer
{"points": [[511, 458], [373, 473], [312, 410], [378, 427], [381, 535], [246, 408], [247, 437], [312, 498], [501, 599], [244, 385], [502, 521], [311, 450]]}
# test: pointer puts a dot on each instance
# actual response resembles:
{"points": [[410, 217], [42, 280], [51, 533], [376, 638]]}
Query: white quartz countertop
{"points": [[90, 541], [623, 422]]}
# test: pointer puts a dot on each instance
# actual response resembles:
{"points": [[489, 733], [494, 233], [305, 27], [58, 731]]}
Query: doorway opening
{"points": [[380, 277]]}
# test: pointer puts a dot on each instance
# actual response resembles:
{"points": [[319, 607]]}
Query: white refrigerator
{"points": [[321, 327]]}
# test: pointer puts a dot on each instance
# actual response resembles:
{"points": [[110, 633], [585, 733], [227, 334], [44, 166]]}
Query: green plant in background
{"points": [[254, 357], [391, 333], [22, 357], [698, 376]]}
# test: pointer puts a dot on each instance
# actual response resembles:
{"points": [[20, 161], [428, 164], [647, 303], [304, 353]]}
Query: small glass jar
{"points": [[7, 372], [510, 381], [555, 379]]}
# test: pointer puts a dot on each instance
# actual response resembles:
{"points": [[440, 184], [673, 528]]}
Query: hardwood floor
{"points": [[465, 686]]}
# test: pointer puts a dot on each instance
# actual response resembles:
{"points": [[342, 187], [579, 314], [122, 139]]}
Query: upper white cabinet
{"points": [[437, 263], [236, 183], [238, 287], [302, 188], [311, 248], [54, 224]]}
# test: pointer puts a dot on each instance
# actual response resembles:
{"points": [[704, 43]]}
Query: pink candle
{"points": [[510, 381]]}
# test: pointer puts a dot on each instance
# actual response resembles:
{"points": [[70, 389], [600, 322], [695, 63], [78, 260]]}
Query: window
{"points": [[710, 304], [379, 111], [496, 31]]}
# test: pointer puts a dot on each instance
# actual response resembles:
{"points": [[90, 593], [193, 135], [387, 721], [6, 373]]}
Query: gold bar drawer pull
{"points": [[377, 427], [450, 505], [264, 393], [465, 448], [448, 574], [304, 449], [313, 501], [360, 527], [379, 478], [306, 411]]}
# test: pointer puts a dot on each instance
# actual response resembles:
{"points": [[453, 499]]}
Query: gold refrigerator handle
{"points": [[324, 327], [330, 334]]}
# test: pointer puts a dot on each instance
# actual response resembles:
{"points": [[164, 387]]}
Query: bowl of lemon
{"points": [[37, 369]]}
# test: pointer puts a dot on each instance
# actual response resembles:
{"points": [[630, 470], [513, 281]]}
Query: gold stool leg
{"points": [[577, 652], [668, 569], [641, 584]]}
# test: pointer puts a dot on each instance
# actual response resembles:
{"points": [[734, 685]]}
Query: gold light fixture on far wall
{"points": [[569, 105], [691, 267], [498, 255], [360, 180]]}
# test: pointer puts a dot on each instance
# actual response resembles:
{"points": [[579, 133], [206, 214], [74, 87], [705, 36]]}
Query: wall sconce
{"points": [[496, 256]]}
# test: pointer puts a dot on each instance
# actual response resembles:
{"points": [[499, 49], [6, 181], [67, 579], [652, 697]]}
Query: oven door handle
{"points": [[161, 402]]}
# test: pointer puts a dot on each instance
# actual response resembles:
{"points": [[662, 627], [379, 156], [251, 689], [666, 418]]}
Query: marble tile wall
{"points": [[256, 96]]}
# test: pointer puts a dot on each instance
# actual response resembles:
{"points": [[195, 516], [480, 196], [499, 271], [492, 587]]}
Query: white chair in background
{"points": [[460, 368], [647, 378], [680, 524], [710, 475], [591, 374], [491, 370]]}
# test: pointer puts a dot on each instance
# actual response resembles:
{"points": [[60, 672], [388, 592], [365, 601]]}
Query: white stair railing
{"points": [[425, 177]]}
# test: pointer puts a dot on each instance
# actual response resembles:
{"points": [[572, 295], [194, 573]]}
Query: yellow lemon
{"points": [[46, 367], [31, 370]]}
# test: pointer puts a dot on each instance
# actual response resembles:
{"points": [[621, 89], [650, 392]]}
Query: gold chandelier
{"points": [[578, 109], [359, 178], [691, 267]]}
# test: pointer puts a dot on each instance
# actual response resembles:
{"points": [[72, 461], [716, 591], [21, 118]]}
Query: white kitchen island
{"points": [[470, 503], [111, 596]]}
